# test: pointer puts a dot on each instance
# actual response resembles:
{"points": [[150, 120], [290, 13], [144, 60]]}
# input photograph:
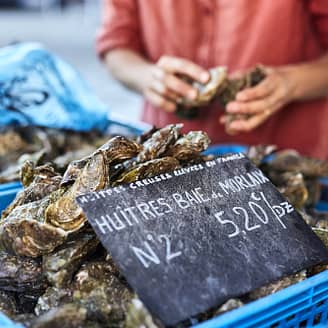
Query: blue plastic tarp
{"points": [[39, 88]]}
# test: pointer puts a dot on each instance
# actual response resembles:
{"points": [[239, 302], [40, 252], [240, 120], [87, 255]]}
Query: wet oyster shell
{"points": [[138, 316], [20, 274], [257, 153], [148, 169], [206, 92], [52, 298], [24, 232], [292, 186], [65, 316], [102, 293], [229, 305], [159, 142], [60, 265], [276, 286], [45, 181], [292, 161], [65, 213], [188, 147], [8, 304]]}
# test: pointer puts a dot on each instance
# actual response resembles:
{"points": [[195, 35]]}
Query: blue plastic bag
{"points": [[38, 88]]}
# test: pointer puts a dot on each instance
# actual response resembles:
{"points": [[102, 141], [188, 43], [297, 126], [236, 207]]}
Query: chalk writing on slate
{"points": [[189, 240]]}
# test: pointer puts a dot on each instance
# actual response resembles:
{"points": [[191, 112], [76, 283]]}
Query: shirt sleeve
{"points": [[120, 27], [319, 11]]}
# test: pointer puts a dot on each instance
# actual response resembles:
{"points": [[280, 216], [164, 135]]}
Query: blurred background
{"points": [[68, 28]]}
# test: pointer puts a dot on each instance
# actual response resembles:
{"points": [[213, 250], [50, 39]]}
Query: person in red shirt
{"points": [[148, 44]]}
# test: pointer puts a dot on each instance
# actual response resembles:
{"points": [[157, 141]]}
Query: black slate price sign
{"points": [[189, 240]]}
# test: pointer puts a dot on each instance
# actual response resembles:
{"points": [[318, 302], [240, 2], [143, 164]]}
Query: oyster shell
{"points": [[45, 181], [159, 142], [276, 286], [60, 265], [103, 295], [20, 274], [292, 161], [292, 186], [206, 92], [8, 304], [229, 305], [65, 213], [66, 316], [52, 298], [148, 169], [322, 234], [257, 153], [90, 174], [138, 316], [188, 147], [24, 232]]}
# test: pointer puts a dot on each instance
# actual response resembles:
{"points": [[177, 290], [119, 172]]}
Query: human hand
{"points": [[255, 105], [165, 86]]}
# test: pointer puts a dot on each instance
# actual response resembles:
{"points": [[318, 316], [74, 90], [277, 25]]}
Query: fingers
{"points": [[245, 125], [263, 89], [170, 83], [250, 124], [182, 66], [160, 101], [254, 107]]}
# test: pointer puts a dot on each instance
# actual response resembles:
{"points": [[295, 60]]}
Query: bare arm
{"points": [[129, 68], [157, 82]]}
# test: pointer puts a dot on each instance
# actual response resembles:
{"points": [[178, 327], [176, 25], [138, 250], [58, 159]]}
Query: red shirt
{"points": [[237, 34]]}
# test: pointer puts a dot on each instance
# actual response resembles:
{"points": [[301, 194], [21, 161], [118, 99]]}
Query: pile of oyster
{"points": [[54, 271], [40, 145]]}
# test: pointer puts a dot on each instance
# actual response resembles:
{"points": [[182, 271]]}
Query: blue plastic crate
{"points": [[8, 192], [302, 305]]}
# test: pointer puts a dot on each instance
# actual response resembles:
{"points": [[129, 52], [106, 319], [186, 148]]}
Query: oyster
{"points": [[65, 316], [20, 274], [159, 142], [322, 234], [60, 265], [65, 213], [138, 316], [292, 186], [206, 93], [45, 181], [148, 169], [292, 161], [102, 293], [276, 286], [52, 298], [24, 232], [257, 153], [229, 89], [188, 147], [8, 304], [229, 305], [94, 175]]}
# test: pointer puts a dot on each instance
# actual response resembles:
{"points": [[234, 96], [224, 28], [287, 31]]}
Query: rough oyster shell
{"points": [[148, 169], [292, 161], [188, 147], [159, 142], [60, 265], [24, 232], [20, 274]]}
